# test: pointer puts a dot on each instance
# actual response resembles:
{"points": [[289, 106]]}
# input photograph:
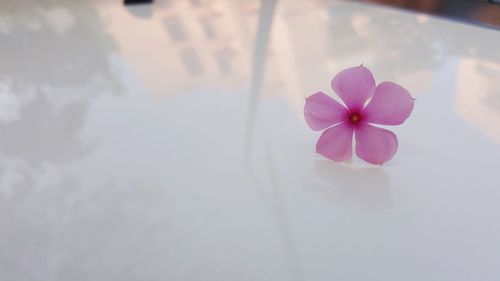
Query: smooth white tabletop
{"points": [[167, 142]]}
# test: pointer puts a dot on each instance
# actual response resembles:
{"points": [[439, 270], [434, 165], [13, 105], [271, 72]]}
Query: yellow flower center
{"points": [[355, 118]]}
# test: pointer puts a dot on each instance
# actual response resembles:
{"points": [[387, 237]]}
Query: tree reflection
{"points": [[54, 63]]}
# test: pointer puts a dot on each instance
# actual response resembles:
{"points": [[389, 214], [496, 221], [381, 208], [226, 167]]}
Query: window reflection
{"points": [[175, 29], [208, 28], [224, 60], [191, 61]]}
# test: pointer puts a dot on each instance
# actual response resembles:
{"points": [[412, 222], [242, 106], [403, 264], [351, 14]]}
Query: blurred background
{"points": [[483, 12]]}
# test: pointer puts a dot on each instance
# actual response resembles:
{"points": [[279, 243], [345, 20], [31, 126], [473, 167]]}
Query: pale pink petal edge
{"points": [[375, 145], [354, 86], [335, 143], [391, 104], [322, 111]]}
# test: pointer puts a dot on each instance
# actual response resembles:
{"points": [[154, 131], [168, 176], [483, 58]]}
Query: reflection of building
{"points": [[210, 39], [188, 43], [477, 99], [209, 44]]}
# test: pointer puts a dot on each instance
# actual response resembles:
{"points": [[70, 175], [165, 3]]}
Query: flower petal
{"points": [[354, 86], [321, 111], [375, 145], [335, 143], [391, 104]]}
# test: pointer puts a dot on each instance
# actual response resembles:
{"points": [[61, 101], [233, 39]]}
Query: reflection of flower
{"points": [[367, 188], [390, 104]]}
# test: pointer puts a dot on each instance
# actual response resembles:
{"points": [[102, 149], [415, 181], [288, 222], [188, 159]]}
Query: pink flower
{"points": [[384, 104]]}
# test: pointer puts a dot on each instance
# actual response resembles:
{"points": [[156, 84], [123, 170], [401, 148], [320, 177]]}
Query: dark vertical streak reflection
{"points": [[273, 197], [258, 64]]}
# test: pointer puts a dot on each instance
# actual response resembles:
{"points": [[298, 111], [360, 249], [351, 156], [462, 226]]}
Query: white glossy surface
{"points": [[136, 149]]}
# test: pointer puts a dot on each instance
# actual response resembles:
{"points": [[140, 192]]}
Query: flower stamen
{"points": [[354, 118]]}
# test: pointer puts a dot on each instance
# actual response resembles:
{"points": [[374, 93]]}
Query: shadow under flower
{"points": [[365, 188]]}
